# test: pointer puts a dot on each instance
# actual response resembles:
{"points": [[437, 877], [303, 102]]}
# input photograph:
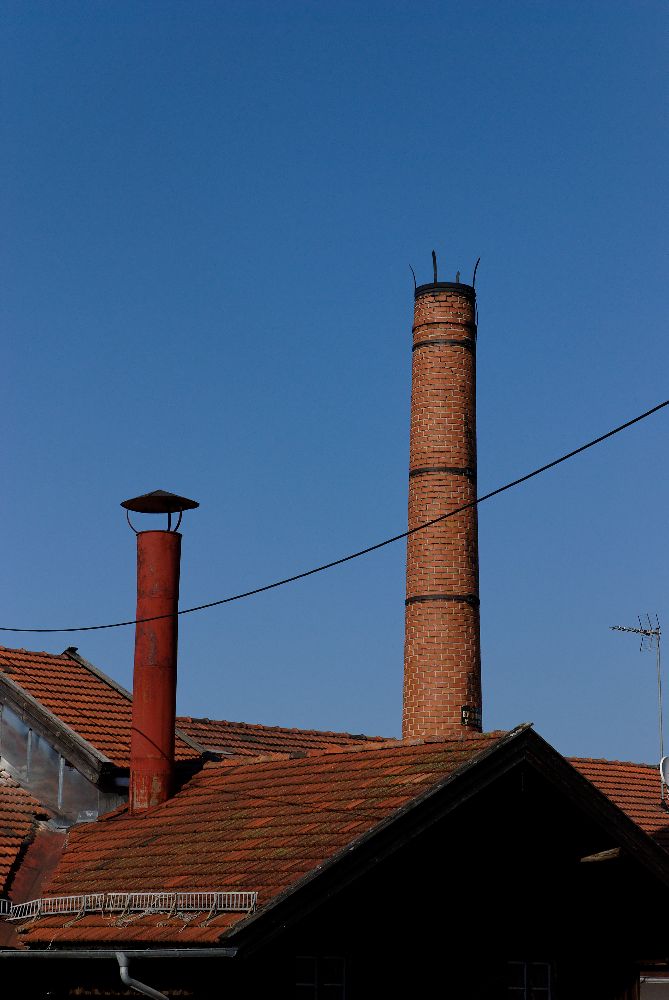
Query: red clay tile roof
{"points": [[85, 700], [258, 826], [635, 788], [18, 812], [252, 740]]}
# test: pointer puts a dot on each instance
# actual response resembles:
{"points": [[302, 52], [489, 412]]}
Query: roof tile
{"points": [[251, 740], [635, 788], [18, 811]]}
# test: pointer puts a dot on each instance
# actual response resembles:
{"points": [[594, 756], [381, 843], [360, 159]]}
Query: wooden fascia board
{"points": [[73, 747]]}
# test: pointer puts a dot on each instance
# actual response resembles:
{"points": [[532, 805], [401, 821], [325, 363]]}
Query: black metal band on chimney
{"points": [[466, 342], [448, 470], [451, 322], [470, 599]]}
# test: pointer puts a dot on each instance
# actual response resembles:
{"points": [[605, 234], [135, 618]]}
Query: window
{"points": [[320, 977], [39, 768], [528, 981], [14, 741], [654, 988]]}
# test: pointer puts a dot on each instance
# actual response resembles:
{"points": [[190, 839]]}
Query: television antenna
{"points": [[650, 639]]}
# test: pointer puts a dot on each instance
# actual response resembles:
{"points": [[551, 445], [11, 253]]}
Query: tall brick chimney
{"points": [[154, 684], [442, 658]]}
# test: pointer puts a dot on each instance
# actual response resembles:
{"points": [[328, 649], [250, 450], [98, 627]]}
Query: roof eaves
{"points": [[75, 748], [87, 954]]}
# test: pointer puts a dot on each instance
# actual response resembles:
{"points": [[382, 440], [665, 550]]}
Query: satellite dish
{"points": [[664, 770]]}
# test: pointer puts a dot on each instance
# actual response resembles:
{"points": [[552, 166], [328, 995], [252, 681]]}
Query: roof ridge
{"points": [[74, 656], [363, 737], [608, 760], [30, 652], [359, 748]]}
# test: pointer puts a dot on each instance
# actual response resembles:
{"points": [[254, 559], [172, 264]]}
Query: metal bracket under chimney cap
{"points": [[159, 502]]}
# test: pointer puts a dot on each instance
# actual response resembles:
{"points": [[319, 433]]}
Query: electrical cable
{"points": [[360, 552]]}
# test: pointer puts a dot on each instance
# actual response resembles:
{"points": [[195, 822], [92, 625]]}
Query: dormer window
{"points": [[44, 772]]}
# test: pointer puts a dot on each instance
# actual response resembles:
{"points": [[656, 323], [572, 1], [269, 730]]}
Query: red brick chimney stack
{"points": [[442, 658], [155, 674]]}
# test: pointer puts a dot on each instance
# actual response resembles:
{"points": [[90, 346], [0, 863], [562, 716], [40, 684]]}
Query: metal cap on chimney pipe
{"points": [[156, 635], [159, 502]]}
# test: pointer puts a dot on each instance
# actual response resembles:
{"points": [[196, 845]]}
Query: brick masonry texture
{"points": [[442, 659]]}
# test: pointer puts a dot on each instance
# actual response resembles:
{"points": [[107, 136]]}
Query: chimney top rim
{"points": [[446, 286]]}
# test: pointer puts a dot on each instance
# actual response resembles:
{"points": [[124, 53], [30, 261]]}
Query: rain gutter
{"points": [[111, 953]]}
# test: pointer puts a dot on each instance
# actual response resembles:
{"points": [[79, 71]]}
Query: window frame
{"points": [[319, 983], [523, 992]]}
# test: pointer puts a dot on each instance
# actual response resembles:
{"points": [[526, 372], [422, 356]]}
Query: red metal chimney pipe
{"points": [[155, 673]]}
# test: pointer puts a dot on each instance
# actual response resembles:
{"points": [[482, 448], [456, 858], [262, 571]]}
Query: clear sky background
{"points": [[209, 211]]}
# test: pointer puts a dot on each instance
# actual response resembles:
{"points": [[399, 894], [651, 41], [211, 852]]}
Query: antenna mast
{"points": [[650, 637]]}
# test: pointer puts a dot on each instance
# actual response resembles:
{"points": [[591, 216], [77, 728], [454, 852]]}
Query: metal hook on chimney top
{"points": [[434, 265]]}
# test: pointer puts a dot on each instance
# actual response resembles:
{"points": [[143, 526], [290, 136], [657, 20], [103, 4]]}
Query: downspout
{"points": [[123, 965]]}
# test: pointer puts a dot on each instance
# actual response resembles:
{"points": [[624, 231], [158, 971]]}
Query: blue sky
{"points": [[209, 211]]}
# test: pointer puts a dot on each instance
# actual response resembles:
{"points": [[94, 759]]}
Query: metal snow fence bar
{"points": [[132, 902], [180, 902], [55, 905]]}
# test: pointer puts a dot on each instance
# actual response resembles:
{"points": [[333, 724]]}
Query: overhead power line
{"points": [[360, 552]]}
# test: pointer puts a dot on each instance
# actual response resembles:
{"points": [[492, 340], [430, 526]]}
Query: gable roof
{"points": [[252, 739], [293, 828], [90, 704], [635, 788], [257, 826]]}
